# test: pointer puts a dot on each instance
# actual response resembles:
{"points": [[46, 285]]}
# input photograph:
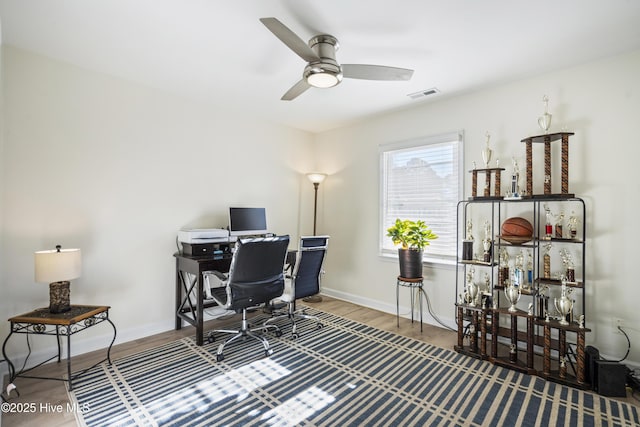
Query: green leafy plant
{"points": [[411, 234]]}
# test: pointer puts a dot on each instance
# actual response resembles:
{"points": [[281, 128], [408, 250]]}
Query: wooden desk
{"points": [[42, 322], [189, 275], [189, 271]]}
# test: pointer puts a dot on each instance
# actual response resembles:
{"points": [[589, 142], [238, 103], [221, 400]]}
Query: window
{"points": [[421, 179]]}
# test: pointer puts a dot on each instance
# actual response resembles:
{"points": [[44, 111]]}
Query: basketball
{"points": [[517, 226]]}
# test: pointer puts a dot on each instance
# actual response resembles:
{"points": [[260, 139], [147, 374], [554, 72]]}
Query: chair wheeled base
{"points": [[292, 314], [244, 331]]}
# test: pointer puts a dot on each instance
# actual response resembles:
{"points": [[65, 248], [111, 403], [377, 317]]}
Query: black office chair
{"points": [[305, 280], [256, 276]]}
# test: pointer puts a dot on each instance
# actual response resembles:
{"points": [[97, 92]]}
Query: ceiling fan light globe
{"points": [[324, 79]]}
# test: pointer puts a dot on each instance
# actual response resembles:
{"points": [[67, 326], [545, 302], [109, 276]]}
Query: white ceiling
{"points": [[217, 51]]}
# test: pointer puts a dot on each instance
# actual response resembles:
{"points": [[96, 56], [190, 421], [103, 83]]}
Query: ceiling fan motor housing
{"points": [[326, 72]]}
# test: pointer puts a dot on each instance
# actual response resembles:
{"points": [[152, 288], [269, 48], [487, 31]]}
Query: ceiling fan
{"points": [[322, 69]]}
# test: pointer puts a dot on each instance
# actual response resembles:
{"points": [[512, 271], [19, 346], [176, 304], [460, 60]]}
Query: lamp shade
{"points": [[316, 177], [57, 265]]}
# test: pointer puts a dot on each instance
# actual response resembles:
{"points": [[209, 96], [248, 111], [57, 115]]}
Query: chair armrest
{"points": [[213, 279]]}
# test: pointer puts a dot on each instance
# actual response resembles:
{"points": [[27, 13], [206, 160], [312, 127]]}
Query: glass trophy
{"points": [[544, 121]]}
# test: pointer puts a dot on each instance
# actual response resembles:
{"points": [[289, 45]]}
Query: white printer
{"points": [[203, 235]]}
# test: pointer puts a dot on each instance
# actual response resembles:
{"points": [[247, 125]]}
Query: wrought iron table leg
{"points": [[12, 368], [112, 341], [68, 357]]}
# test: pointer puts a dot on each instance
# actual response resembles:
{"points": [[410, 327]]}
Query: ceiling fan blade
{"points": [[296, 90], [291, 39], [375, 72]]}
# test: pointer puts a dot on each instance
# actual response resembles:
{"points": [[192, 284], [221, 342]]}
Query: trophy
{"points": [[469, 227], [486, 295], [503, 272], [573, 225], [472, 289], [559, 222], [567, 262], [486, 243], [518, 271], [544, 121], [548, 226], [513, 296], [486, 246], [515, 193], [543, 302], [546, 260], [486, 152], [467, 243], [564, 304]]}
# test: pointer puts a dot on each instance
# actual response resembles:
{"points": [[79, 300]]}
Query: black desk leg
{"points": [[178, 295], [199, 314]]}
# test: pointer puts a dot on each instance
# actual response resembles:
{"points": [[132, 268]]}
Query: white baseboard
{"points": [[391, 309]]}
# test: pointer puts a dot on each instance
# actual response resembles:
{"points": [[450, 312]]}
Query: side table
{"points": [[411, 284], [42, 322]]}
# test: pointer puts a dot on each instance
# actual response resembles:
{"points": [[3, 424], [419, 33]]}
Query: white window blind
{"points": [[421, 179]]}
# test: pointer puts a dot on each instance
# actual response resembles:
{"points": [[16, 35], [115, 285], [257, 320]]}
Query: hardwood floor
{"points": [[48, 394]]}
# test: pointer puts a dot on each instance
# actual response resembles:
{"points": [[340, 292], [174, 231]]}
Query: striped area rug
{"points": [[345, 374]]}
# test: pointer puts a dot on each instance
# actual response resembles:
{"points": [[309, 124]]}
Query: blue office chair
{"points": [[305, 280], [256, 276]]}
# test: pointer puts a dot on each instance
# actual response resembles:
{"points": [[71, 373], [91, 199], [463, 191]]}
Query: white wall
{"points": [[2, 300], [599, 101], [116, 168]]}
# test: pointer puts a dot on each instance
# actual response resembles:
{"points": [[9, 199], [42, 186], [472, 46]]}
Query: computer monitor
{"points": [[247, 221]]}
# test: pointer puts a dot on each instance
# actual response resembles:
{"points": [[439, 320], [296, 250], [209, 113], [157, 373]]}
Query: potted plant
{"points": [[413, 236]]}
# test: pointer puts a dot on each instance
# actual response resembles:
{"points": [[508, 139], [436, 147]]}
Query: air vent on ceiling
{"points": [[423, 93]]}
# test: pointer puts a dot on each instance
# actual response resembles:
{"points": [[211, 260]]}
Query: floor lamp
{"points": [[316, 179]]}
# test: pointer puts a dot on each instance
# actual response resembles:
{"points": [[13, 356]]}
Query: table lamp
{"points": [[57, 267]]}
